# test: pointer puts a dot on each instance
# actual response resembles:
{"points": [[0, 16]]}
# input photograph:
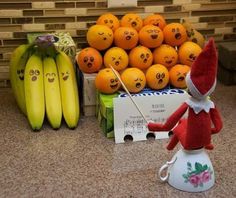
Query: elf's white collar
{"points": [[198, 101], [199, 105]]}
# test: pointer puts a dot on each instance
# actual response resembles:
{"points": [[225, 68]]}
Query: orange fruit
{"points": [[89, 60], [132, 20], [188, 52], [177, 75], [165, 55], [100, 37], [151, 36], [107, 82], [117, 58], [109, 20], [134, 79], [140, 57], [155, 19], [174, 34], [126, 37], [157, 76]]}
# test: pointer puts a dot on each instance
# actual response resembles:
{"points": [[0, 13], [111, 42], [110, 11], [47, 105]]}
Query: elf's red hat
{"points": [[201, 80]]}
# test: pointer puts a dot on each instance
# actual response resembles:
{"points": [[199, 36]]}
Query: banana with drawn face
{"points": [[52, 92], [69, 90], [17, 66], [34, 92]]}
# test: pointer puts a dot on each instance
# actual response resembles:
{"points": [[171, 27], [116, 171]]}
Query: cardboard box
{"points": [[227, 55], [88, 91], [226, 76], [62, 41], [105, 113], [156, 106], [119, 118]]}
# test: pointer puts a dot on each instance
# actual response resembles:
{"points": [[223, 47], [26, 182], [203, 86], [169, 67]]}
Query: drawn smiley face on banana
{"points": [[65, 75], [20, 73], [34, 73], [50, 77]]}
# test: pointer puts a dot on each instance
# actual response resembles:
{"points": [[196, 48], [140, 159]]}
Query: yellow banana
{"points": [[17, 66], [52, 92], [34, 91], [69, 90]]}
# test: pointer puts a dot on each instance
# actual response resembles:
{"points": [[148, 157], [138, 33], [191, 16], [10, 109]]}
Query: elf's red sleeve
{"points": [[216, 120], [171, 121]]}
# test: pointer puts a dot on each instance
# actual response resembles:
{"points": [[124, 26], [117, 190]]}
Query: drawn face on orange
{"points": [[188, 52], [34, 74], [50, 77], [157, 76], [156, 20], [151, 36], [132, 20], [100, 37], [65, 75], [165, 55], [20, 73], [178, 74], [174, 34], [89, 60], [134, 79], [107, 82], [140, 57], [109, 20], [117, 58], [126, 37]]}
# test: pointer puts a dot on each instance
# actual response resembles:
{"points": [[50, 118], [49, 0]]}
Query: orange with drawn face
{"points": [[100, 37], [134, 79], [151, 36], [188, 52], [117, 58], [132, 20], [126, 38], [107, 82], [155, 19], [177, 75], [140, 57], [165, 55], [157, 76], [89, 60], [174, 34], [109, 20]]}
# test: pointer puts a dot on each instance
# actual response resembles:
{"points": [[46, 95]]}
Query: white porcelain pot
{"points": [[189, 170]]}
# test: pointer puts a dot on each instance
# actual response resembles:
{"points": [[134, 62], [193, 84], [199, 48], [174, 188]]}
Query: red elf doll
{"points": [[195, 131]]}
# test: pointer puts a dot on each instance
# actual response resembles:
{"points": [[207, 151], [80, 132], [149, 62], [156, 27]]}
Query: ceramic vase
{"points": [[189, 170]]}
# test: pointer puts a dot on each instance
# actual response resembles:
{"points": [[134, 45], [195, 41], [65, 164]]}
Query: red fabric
{"points": [[193, 132], [204, 68]]}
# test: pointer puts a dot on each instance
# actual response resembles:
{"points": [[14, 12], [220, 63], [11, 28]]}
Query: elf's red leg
{"points": [[209, 146], [173, 142], [179, 134]]}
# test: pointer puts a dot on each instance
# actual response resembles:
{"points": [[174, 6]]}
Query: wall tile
{"points": [[154, 9], [33, 27], [4, 35], [216, 18], [43, 4], [12, 13]]}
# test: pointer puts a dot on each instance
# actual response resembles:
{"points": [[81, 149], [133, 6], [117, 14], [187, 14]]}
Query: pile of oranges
{"points": [[144, 53]]}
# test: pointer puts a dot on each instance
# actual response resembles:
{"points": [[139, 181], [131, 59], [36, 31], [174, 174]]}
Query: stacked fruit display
{"points": [[145, 53], [43, 80]]}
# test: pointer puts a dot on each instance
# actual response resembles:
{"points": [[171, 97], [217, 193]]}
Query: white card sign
{"points": [[157, 106]]}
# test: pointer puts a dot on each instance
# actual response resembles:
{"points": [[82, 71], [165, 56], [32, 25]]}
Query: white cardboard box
{"points": [[155, 105], [89, 94]]}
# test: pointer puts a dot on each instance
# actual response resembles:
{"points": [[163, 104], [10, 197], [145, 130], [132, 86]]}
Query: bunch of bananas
{"points": [[43, 83]]}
